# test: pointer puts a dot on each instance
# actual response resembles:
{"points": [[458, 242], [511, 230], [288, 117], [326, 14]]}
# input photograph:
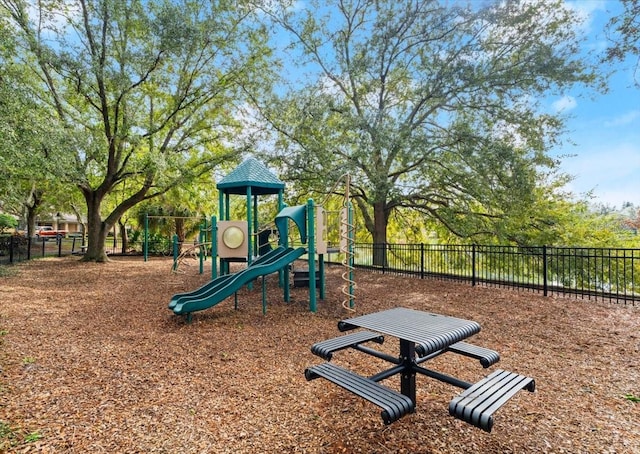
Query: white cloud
{"points": [[565, 104], [629, 192], [623, 119], [611, 163], [587, 7], [54, 18], [607, 171], [586, 10]]}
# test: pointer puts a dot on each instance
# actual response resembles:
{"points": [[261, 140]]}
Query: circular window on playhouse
{"points": [[233, 237]]}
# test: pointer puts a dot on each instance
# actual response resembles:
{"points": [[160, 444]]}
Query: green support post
{"points": [[311, 254], [221, 205], [214, 248], [264, 296], [256, 225], [250, 227], [321, 272], [350, 243], [284, 241], [175, 251], [227, 208], [201, 236], [145, 246], [250, 238], [281, 273]]}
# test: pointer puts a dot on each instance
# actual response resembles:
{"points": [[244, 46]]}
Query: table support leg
{"points": [[408, 375]]}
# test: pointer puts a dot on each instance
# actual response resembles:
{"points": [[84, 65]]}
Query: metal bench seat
{"points": [[394, 404], [486, 356], [324, 349], [476, 404]]}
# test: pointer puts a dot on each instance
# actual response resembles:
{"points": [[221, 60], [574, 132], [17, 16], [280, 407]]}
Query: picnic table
{"points": [[422, 336]]}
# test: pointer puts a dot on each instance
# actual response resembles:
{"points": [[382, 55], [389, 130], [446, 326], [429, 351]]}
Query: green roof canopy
{"points": [[251, 173]]}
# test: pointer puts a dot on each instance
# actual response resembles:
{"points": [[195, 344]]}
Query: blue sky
{"points": [[605, 128]]}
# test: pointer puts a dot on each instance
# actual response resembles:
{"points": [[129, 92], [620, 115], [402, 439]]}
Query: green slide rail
{"points": [[216, 284], [218, 289]]}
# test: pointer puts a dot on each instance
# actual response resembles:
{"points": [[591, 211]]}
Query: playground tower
{"points": [[250, 179]]}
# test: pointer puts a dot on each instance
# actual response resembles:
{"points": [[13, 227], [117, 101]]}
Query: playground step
{"points": [[301, 278]]}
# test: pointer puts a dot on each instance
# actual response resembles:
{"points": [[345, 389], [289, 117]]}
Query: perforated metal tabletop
{"points": [[430, 332]]}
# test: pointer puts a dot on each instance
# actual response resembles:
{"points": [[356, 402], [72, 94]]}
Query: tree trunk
{"points": [[180, 232], [31, 206], [96, 232], [122, 228], [379, 234], [31, 221]]}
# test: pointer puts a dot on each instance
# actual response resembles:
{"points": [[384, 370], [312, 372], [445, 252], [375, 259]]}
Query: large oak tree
{"points": [[148, 89], [429, 105]]}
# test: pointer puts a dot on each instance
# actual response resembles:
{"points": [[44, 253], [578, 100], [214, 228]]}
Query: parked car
{"points": [[49, 232]]}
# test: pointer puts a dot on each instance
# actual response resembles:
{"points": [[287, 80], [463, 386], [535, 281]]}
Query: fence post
{"points": [[545, 285], [473, 265], [11, 248], [384, 257], [373, 254], [421, 260]]}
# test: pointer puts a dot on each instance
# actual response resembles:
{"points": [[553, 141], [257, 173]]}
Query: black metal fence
{"points": [[14, 249], [611, 274]]}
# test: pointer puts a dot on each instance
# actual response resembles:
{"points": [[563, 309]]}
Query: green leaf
{"points": [[632, 398]]}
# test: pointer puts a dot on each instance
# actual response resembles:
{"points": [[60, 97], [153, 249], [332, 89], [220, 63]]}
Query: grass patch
{"points": [[7, 271], [12, 437], [33, 436], [632, 398], [28, 360], [5, 430]]}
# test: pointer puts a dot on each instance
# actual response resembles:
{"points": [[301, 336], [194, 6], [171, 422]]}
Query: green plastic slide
{"points": [[214, 285], [221, 288]]}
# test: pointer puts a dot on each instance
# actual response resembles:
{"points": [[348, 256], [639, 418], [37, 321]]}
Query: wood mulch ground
{"points": [[91, 360]]}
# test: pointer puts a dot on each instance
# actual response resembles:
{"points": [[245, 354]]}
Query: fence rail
{"points": [[611, 274]]}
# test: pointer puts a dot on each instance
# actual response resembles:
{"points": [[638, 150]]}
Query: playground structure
{"points": [[243, 241], [175, 248], [197, 251], [276, 260]]}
